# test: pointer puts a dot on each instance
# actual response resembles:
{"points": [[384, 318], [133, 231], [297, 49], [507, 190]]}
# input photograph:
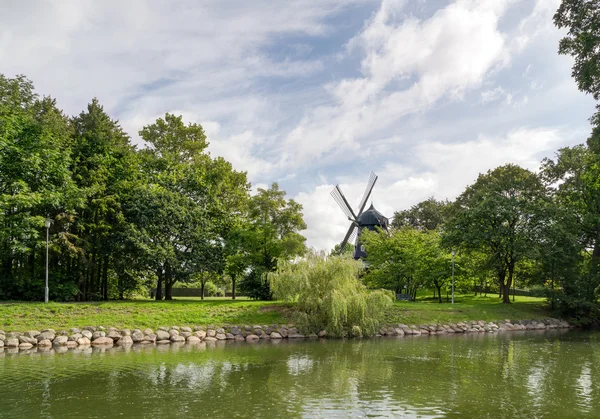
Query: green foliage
{"points": [[406, 259], [503, 213], [125, 219], [427, 215], [329, 295], [273, 233]]}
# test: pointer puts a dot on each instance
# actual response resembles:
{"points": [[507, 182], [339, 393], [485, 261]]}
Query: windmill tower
{"points": [[369, 219]]}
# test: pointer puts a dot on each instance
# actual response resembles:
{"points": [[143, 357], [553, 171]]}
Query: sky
{"points": [[309, 94]]}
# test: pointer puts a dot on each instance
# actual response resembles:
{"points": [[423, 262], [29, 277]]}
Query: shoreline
{"points": [[102, 337]]}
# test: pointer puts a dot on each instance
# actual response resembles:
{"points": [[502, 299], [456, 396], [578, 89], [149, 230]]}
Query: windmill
{"points": [[369, 219]]}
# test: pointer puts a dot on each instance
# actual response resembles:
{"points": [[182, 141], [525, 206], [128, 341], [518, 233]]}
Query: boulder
{"points": [[275, 335], [83, 341], [250, 338], [137, 337], [60, 341], [148, 331], [162, 335], [27, 339], [125, 341], [103, 341], [193, 340], [74, 330], [173, 332], [12, 342], [114, 335], [200, 334], [177, 338], [239, 338], [186, 329], [296, 336], [229, 336], [44, 343], [211, 333], [86, 334], [163, 342], [323, 333], [151, 338], [1, 344], [25, 345], [71, 344], [221, 336], [126, 332], [185, 334], [32, 333], [98, 334], [283, 331], [210, 339]]}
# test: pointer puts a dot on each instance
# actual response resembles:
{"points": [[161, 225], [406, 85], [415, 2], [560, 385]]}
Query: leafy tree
{"points": [[274, 233], [35, 183], [502, 214], [406, 259], [427, 215], [328, 294]]}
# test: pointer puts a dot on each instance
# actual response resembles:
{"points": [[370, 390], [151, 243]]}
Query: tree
{"points": [[35, 184], [406, 259], [329, 295], [103, 164], [427, 215], [580, 18], [503, 214], [274, 233]]}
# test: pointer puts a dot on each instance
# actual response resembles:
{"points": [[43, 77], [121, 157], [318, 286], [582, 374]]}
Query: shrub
{"points": [[329, 296]]}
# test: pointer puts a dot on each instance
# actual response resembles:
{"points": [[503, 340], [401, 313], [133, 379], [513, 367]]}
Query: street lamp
{"points": [[48, 223], [453, 253]]}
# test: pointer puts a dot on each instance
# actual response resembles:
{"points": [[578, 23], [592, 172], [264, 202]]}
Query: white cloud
{"points": [[443, 56], [438, 169]]}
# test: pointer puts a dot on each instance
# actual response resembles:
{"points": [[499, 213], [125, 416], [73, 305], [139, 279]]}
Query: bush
{"points": [[329, 295], [256, 285]]}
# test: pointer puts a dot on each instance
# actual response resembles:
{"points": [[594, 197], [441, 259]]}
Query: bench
{"points": [[403, 297]]}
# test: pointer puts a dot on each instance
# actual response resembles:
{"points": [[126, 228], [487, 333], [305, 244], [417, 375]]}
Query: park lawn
{"points": [[21, 316], [467, 307], [190, 311]]}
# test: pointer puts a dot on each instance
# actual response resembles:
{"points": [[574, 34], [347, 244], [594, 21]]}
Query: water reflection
{"points": [[508, 375]]}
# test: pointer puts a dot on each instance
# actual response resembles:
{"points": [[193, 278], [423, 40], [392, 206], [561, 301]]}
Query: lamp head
{"points": [[48, 223], [453, 252]]}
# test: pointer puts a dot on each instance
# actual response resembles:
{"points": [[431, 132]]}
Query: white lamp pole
{"points": [[47, 290], [453, 253]]}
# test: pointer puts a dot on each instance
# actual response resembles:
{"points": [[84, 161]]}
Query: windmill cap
{"points": [[372, 217]]}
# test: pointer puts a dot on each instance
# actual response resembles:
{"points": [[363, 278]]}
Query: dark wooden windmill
{"points": [[369, 219]]}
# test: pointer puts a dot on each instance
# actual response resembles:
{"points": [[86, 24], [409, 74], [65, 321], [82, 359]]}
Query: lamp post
{"points": [[453, 253], [48, 223]]}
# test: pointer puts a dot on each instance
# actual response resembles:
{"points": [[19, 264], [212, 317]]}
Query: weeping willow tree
{"points": [[329, 296]]}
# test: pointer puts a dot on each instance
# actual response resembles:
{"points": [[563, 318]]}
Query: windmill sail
{"points": [[341, 200], [365, 198], [351, 233]]}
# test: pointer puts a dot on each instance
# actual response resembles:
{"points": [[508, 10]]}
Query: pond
{"points": [[516, 375]]}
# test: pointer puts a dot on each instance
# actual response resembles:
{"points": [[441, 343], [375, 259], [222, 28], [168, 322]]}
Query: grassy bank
{"points": [[192, 311]]}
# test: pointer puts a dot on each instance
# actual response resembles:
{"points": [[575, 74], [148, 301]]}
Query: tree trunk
{"points": [[506, 286], [439, 291], [169, 289], [159, 283], [202, 290], [233, 288], [105, 278]]}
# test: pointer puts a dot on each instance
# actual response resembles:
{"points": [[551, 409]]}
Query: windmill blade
{"points": [[351, 232], [339, 197], [372, 179]]}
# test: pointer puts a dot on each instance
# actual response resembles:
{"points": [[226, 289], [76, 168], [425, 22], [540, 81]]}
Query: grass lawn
{"points": [[467, 307], [22, 316]]}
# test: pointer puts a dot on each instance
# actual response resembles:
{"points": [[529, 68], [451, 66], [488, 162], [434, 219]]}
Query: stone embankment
{"points": [[99, 336]]}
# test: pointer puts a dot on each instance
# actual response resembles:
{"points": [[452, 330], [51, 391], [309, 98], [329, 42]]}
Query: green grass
{"points": [[21, 316], [466, 307]]}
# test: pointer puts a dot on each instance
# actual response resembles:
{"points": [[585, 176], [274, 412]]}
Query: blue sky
{"points": [[312, 93]]}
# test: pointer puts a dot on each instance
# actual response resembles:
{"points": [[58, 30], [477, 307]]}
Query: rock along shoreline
{"points": [[105, 337]]}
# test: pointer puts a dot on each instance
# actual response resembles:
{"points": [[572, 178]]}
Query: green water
{"points": [[508, 375]]}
